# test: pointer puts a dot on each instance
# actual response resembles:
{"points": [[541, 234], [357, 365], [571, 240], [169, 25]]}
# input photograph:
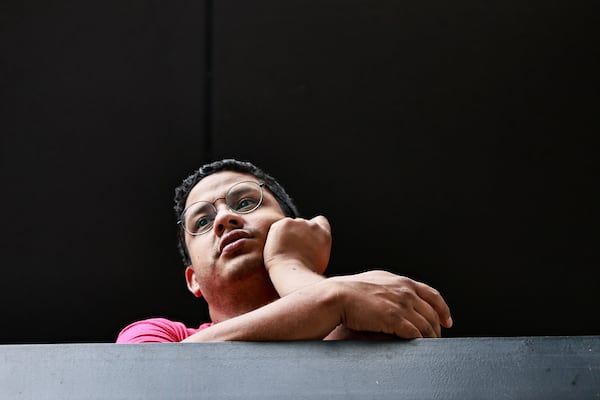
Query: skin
{"points": [[296, 253], [268, 283], [239, 269]]}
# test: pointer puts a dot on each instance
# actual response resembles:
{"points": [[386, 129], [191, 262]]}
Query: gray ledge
{"points": [[565, 367]]}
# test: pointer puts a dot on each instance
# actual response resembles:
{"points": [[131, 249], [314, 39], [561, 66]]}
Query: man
{"points": [[259, 267]]}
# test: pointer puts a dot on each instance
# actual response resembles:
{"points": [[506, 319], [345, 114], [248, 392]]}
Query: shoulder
{"points": [[156, 330]]}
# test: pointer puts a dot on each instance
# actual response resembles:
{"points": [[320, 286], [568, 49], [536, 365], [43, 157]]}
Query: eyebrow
{"points": [[199, 209], [238, 191], [260, 183]]}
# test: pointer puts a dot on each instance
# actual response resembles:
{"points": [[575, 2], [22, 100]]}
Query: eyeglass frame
{"points": [[181, 221]]}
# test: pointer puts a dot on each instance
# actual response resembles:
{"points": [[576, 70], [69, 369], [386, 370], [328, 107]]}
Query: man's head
{"points": [[226, 210], [183, 191]]}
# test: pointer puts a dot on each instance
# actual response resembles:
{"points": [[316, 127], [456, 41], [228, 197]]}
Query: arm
{"points": [[296, 255], [297, 252], [307, 314], [374, 301]]}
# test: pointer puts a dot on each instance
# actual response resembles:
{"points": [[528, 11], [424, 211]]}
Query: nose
{"points": [[226, 220]]}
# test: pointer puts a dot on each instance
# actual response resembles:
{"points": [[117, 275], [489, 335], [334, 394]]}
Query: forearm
{"points": [[310, 313], [288, 277], [374, 301]]}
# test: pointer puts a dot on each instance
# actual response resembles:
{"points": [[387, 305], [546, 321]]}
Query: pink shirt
{"points": [[157, 330]]}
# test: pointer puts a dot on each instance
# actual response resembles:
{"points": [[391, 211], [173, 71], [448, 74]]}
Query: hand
{"points": [[379, 301], [343, 333], [299, 241]]}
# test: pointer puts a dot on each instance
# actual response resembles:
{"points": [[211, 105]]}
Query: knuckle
{"points": [[283, 222], [405, 294]]}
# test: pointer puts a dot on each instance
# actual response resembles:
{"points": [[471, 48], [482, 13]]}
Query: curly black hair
{"points": [[182, 192]]}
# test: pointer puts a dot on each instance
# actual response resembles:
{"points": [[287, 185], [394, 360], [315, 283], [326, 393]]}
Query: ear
{"points": [[192, 282]]}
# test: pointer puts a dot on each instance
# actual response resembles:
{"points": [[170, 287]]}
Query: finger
{"points": [[427, 319], [435, 300], [417, 310], [406, 330], [323, 222], [408, 316]]}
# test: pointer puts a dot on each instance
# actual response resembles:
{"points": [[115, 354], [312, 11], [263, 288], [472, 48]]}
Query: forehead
{"points": [[216, 185]]}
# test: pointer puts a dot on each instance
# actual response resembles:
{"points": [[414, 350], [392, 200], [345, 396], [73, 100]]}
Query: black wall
{"points": [[452, 143]]}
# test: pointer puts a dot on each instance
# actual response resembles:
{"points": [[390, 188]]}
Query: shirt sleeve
{"points": [[154, 330]]}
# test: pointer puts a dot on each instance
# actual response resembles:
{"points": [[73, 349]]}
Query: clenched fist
{"points": [[301, 241]]}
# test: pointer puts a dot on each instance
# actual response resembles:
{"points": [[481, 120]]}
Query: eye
{"points": [[246, 204], [202, 222], [243, 197]]}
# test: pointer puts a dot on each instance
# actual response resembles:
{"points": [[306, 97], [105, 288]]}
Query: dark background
{"points": [[452, 143]]}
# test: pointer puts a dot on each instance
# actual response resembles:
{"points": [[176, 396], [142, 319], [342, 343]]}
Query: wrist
{"points": [[292, 275], [334, 295]]}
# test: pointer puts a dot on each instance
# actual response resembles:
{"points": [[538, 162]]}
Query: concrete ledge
{"points": [[565, 367]]}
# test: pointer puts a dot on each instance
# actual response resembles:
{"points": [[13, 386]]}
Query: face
{"points": [[227, 261]]}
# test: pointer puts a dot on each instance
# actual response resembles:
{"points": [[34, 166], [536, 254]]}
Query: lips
{"points": [[232, 237]]}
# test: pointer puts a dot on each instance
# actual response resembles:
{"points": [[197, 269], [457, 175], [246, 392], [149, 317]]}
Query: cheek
{"points": [[199, 250], [265, 223]]}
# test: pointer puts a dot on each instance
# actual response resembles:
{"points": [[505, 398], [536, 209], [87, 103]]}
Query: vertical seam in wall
{"points": [[208, 83]]}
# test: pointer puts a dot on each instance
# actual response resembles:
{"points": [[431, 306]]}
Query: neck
{"points": [[242, 299]]}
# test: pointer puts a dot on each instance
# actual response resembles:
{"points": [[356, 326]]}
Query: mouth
{"points": [[230, 239]]}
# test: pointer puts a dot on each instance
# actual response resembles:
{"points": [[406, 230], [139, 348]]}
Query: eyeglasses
{"points": [[241, 198]]}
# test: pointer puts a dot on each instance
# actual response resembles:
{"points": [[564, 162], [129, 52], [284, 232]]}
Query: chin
{"points": [[243, 266]]}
